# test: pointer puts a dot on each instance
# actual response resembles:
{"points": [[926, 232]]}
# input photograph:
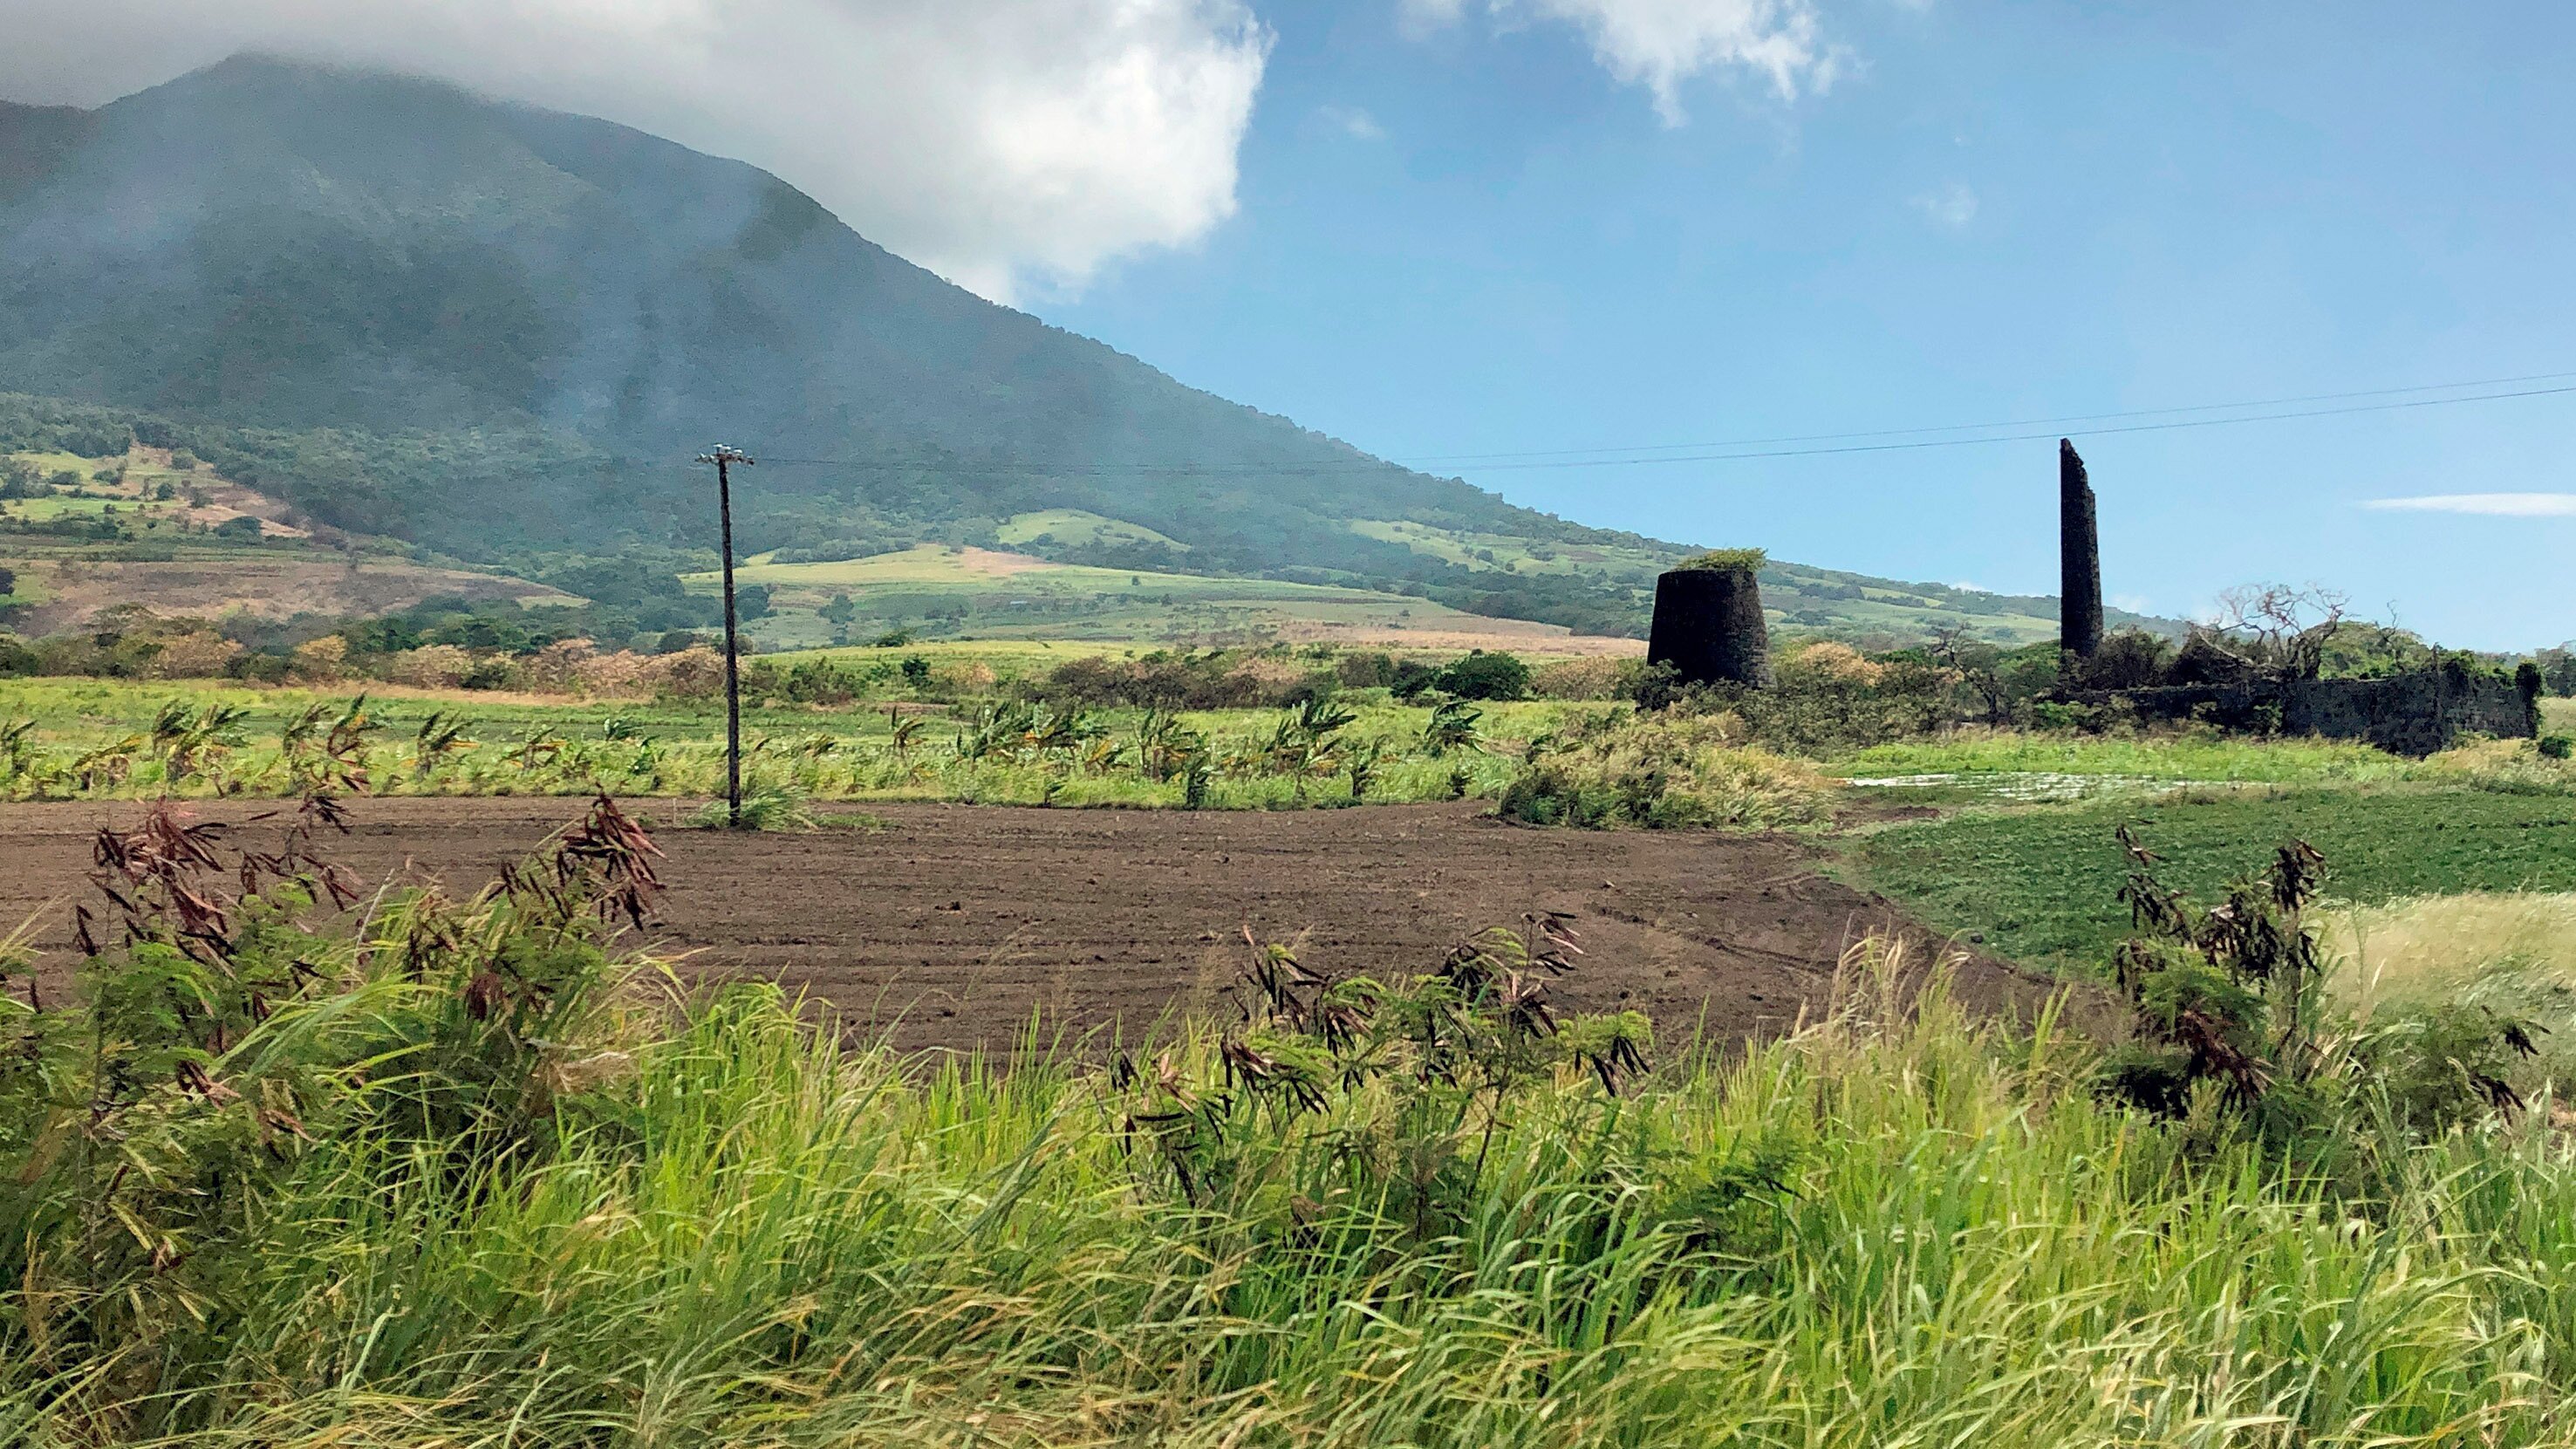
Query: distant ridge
{"points": [[499, 332]]}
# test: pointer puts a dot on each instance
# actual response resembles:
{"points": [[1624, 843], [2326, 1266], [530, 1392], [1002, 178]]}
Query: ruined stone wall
{"points": [[2409, 714]]}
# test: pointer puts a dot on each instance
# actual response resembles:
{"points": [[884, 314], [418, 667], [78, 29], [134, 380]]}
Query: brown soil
{"points": [[956, 925]]}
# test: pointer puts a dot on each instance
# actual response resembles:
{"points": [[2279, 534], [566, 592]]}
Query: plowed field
{"points": [[956, 926]]}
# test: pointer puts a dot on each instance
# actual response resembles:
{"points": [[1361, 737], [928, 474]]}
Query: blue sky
{"points": [[1472, 237]]}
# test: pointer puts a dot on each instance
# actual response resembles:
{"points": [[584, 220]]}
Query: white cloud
{"points": [[1950, 208], [1351, 121], [1004, 143], [2500, 505], [1659, 44]]}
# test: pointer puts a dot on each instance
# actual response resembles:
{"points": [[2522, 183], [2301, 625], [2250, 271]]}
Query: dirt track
{"points": [[956, 924]]}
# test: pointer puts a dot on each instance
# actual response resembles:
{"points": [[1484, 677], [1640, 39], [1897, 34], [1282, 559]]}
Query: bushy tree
{"points": [[1486, 675]]}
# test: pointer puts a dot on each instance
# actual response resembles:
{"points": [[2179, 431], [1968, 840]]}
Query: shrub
{"points": [[202, 654], [2557, 747], [1218, 680], [765, 808], [1412, 677], [1664, 771], [1602, 676], [1484, 675], [1727, 560], [432, 666], [321, 660], [261, 666], [815, 681], [1659, 687], [1830, 697], [690, 674], [1365, 670], [2127, 659]]}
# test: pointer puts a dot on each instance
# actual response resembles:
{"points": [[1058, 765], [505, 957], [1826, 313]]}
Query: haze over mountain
{"points": [[501, 332]]}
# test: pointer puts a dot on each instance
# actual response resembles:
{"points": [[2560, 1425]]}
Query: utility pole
{"points": [[723, 456]]}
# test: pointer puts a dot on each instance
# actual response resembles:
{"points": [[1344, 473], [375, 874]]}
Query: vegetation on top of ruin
{"points": [[1728, 560]]}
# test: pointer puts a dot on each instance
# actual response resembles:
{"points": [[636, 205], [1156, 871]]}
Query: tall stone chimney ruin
{"points": [[2079, 553]]}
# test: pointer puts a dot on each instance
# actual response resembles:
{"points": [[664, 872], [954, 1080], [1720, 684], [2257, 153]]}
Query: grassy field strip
{"points": [[2023, 786], [1008, 595], [1073, 526], [2209, 758], [535, 746], [2511, 953], [2039, 884]]}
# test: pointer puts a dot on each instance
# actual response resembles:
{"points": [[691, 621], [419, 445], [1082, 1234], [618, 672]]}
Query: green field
{"points": [[938, 591], [1515, 555], [2038, 883], [1073, 527]]}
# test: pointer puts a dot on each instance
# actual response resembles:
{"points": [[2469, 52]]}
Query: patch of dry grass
{"points": [[2513, 952]]}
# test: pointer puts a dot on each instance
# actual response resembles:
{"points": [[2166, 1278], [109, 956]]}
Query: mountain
{"points": [[501, 332]]}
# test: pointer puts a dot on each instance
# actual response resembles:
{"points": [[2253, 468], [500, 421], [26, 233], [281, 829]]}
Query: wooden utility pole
{"points": [[723, 456]]}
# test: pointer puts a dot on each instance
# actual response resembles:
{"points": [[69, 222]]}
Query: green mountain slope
{"points": [[501, 332]]}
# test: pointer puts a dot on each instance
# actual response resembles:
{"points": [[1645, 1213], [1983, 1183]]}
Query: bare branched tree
{"points": [[1978, 664], [2275, 629]]}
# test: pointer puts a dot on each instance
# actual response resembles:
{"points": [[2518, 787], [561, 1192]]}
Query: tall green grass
{"points": [[617, 1217], [91, 740]]}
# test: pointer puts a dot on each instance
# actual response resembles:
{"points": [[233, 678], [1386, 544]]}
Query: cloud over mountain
{"points": [[1008, 144]]}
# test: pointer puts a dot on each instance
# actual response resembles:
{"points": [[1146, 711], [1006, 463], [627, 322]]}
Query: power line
{"points": [[2012, 423], [1539, 461], [2051, 433]]}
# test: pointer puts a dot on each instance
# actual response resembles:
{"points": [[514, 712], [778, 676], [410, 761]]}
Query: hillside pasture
{"points": [[942, 591], [1075, 528], [133, 484], [66, 591], [187, 569]]}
